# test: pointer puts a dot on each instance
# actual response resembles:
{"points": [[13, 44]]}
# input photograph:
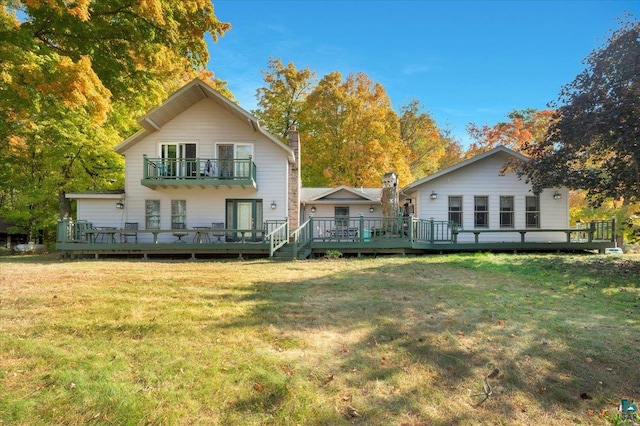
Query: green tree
{"points": [[421, 135], [73, 77], [353, 134], [593, 142], [282, 102]]}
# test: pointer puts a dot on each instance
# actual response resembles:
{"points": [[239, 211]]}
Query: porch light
{"points": [[120, 205], [371, 209], [557, 195], [313, 209], [433, 195], [273, 205]]}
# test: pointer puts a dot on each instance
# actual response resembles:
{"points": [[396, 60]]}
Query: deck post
{"points": [[145, 167], [361, 230], [431, 231], [613, 230], [411, 225]]}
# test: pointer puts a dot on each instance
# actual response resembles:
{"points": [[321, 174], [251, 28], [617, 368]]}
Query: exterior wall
{"points": [[205, 124], [328, 210], [101, 212], [482, 179]]}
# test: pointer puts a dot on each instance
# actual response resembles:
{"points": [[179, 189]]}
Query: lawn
{"points": [[370, 341]]}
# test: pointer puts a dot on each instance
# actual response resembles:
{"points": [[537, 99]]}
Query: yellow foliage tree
{"points": [[352, 134], [73, 77]]}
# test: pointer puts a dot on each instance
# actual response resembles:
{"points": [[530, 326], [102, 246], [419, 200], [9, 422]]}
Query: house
{"points": [[477, 197], [199, 160], [203, 178]]}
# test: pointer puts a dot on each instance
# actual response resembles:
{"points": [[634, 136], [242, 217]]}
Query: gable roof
{"points": [[465, 163], [341, 193], [187, 96]]}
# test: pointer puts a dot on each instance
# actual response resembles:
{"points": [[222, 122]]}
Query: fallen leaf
{"points": [[352, 412]]}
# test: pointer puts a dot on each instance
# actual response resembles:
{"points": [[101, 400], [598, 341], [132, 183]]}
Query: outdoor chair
{"points": [[217, 234], [179, 234], [131, 226]]}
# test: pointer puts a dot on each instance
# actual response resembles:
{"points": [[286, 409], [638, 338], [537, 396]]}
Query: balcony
{"points": [[203, 172]]}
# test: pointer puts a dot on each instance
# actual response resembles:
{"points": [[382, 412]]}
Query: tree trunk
{"points": [[64, 205]]}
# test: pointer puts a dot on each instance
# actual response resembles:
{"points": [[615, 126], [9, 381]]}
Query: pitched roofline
{"points": [[150, 122], [352, 190], [497, 149]]}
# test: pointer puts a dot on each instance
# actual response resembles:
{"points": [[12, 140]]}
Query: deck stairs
{"points": [[286, 253]]}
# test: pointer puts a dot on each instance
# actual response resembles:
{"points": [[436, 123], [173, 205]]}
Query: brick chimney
{"points": [[295, 180]]}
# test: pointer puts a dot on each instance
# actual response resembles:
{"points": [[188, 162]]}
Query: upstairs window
{"points": [[228, 156]]}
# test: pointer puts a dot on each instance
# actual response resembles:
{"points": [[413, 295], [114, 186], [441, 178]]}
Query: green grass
{"points": [[404, 341]]}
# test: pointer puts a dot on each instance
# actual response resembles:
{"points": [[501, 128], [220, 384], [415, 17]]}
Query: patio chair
{"points": [[217, 234], [179, 234], [132, 226]]}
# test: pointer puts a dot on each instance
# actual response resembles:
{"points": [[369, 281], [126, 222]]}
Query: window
{"points": [[235, 160], [178, 158], [532, 211], [152, 214], [506, 211], [342, 216], [481, 211], [178, 213], [455, 210]]}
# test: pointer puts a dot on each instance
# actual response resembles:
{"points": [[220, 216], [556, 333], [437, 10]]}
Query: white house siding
{"points": [[206, 124], [482, 178], [100, 212]]}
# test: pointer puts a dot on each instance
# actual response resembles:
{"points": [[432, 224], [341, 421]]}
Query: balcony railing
{"points": [[198, 171]]}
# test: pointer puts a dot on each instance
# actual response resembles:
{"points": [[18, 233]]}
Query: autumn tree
{"points": [[524, 128], [353, 134], [282, 102], [593, 142], [419, 132], [73, 78], [453, 151]]}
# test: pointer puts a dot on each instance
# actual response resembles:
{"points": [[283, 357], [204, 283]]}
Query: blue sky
{"points": [[465, 61]]}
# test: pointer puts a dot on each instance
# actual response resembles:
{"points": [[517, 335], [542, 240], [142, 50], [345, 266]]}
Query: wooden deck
{"points": [[348, 236]]}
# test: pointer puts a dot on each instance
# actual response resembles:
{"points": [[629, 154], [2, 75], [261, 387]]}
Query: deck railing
{"points": [[83, 232], [367, 229], [302, 237], [278, 237], [199, 169], [602, 230]]}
